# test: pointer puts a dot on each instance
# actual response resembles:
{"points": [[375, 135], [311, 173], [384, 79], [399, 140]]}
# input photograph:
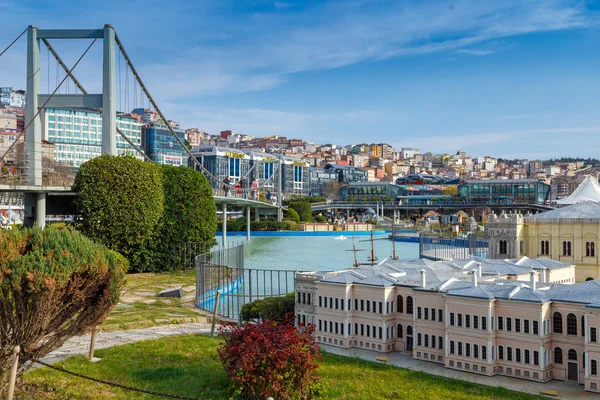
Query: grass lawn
{"points": [[188, 366], [139, 308]]}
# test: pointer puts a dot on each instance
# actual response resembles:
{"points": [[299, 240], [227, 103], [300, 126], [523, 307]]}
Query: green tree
{"points": [[303, 209], [120, 200], [54, 284], [189, 216], [293, 215]]}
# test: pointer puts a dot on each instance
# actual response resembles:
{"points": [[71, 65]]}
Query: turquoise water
{"points": [[317, 253]]}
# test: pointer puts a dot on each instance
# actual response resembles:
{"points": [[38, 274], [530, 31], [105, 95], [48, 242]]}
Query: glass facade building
{"points": [[520, 191], [162, 147], [369, 191], [295, 178], [319, 177], [77, 134], [264, 170], [236, 164], [223, 162], [348, 174]]}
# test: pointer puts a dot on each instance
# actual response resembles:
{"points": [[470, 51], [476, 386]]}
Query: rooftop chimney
{"points": [[423, 278], [532, 280], [543, 275], [479, 269], [474, 278]]}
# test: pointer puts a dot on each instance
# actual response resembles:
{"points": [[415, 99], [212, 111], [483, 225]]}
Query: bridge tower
{"points": [[35, 202]]}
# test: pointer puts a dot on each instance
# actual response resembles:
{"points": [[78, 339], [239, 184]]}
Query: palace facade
{"points": [[568, 234], [525, 319]]}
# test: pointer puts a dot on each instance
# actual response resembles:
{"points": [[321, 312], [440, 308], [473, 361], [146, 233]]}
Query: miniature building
{"points": [[566, 234], [525, 319]]}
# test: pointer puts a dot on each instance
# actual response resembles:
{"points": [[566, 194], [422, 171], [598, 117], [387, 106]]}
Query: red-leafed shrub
{"points": [[271, 359]]}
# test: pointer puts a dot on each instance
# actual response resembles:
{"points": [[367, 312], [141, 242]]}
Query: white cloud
{"points": [[257, 51], [265, 122], [531, 143], [514, 116], [473, 52]]}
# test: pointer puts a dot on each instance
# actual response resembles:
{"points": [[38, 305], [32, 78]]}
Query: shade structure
{"points": [[588, 190]]}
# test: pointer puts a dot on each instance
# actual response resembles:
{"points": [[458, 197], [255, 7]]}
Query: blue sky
{"points": [[501, 78]]}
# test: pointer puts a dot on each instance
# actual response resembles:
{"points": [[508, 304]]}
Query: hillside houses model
{"points": [[522, 318]]}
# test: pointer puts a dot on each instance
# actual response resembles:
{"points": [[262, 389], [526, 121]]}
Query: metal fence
{"points": [[437, 247], [222, 269], [184, 254]]}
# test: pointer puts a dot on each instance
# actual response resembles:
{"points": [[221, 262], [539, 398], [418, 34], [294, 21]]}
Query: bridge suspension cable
{"points": [[49, 97], [162, 116], [13, 42], [82, 89], [62, 64]]}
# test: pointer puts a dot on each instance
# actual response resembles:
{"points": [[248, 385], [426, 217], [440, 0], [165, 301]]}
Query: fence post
{"points": [[92, 345], [14, 366], [214, 318]]}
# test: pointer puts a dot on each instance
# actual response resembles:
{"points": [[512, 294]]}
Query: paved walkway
{"points": [[566, 391], [81, 344]]}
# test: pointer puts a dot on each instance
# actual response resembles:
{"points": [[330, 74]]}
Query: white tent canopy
{"points": [[589, 189]]}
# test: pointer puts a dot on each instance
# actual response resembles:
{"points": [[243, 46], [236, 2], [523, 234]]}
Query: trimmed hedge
{"points": [[189, 215], [293, 215], [303, 209], [120, 200], [239, 225], [272, 308], [142, 210]]}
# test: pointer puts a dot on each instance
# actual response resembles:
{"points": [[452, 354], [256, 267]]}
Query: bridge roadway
{"points": [[454, 206], [59, 201]]}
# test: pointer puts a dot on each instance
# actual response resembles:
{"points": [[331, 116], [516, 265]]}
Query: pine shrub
{"points": [[54, 284]]}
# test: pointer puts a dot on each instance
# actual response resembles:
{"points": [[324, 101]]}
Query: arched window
{"points": [[400, 304], [582, 325], [409, 330], [502, 247], [566, 248], [558, 356], [399, 330], [571, 324], [557, 322], [589, 278], [409, 304], [544, 247], [572, 355], [590, 249]]}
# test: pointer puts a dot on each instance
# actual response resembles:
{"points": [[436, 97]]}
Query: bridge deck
{"points": [[437, 206], [67, 191]]}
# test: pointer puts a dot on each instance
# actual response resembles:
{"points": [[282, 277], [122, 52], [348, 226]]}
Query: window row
{"points": [[468, 321], [332, 327], [464, 350], [558, 355], [429, 314], [427, 343], [567, 248], [400, 304], [520, 325], [359, 305], [304, 298], [520, 356], [557, 324]]}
